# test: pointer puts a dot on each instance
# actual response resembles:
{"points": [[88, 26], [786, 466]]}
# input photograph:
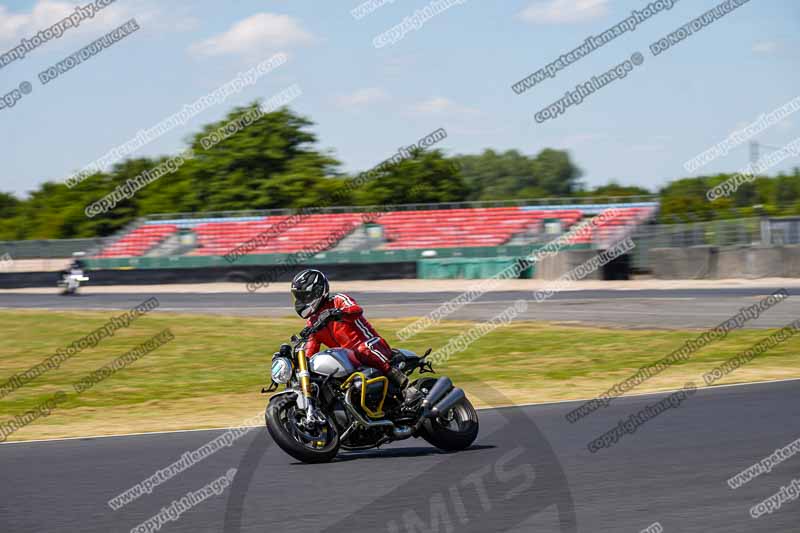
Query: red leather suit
{"points": [[352, 331]]}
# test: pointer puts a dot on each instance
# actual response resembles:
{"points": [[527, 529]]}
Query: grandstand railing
{"points": [[602, 202], [730, 232]]}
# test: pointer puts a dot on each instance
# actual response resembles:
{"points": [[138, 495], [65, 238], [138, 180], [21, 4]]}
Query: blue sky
{"points": [[455, 72]]}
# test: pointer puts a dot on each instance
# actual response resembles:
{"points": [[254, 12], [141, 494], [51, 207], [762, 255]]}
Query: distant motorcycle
{"points": [[330, 404], [70, 281]]}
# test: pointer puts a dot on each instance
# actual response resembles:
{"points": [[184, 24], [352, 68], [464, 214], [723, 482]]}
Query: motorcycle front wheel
{"points": [[310, 445], [455, 430]]}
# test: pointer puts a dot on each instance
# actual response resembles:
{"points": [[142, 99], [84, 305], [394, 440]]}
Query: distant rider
{"points": [[346, 326], [75, 268]]}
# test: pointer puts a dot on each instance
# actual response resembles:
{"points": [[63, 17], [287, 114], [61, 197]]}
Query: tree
{"points": [[272, 163], [612, 188], [424, 177], [556, 173], [512, 175], [9, 205]]}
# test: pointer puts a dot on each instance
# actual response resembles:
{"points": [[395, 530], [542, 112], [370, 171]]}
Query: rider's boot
{"points": [[398, 379]]}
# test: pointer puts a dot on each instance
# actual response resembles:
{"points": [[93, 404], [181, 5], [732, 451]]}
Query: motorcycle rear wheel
{"points": [[455, 430], [280, 417]]}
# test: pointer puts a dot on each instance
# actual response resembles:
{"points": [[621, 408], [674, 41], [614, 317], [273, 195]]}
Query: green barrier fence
{"points": [[467, 268]]}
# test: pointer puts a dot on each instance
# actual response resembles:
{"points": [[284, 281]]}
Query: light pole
{"points": [[755, 152]]}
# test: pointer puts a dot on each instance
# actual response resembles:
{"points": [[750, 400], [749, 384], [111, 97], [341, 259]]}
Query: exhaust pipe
{"points": [[434, 398], [436, 393], [445, 404], [398, 432]]}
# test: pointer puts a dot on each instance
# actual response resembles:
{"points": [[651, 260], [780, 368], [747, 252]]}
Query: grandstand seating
{"points": [[219, 238], [614, 225], [437, 228], [138, 241], [449, 228]]}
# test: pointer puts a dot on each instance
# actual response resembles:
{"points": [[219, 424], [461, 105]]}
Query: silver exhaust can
{"points": [[448, 402], [437, 392]]}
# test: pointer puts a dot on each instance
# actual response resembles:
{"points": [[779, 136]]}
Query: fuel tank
{"points": [[332, 362]]}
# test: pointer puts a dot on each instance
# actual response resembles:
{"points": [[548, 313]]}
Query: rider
{"points": [[76, 267], [346, 326]]}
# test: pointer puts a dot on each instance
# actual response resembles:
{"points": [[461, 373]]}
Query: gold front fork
{"points": [[305, 377]]}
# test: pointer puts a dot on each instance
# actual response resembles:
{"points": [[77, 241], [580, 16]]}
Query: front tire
{"points": [[455, 430], [281, 417]]}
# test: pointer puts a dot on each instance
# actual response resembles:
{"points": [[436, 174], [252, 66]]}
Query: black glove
{"points": [[329, 315], [285, 351]]}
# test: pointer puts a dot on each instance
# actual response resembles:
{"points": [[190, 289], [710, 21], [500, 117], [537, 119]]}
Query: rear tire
{"points": [[458, 434], [283, 431]]}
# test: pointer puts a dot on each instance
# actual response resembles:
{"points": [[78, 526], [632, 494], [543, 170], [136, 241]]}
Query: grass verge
{"points": [[211, 374]]}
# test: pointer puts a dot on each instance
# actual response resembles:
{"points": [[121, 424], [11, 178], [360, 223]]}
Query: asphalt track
{"points": [[529, 470], [687, 308]]}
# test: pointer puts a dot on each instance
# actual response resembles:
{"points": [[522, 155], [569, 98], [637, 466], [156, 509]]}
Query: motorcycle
{"points": [[329, 404], [70, 281]]}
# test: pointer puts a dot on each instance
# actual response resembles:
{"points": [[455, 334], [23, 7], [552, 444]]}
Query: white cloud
{"points": [[256, 34], [440, 105], [564, 11], [765, 47], [362, 97], [24, 24], [14, 26]]}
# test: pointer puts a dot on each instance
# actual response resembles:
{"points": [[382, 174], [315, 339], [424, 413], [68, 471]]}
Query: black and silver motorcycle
{"points": [[329, 404]]}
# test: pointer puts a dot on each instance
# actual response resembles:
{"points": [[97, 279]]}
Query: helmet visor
{"points": [[306, 302]]}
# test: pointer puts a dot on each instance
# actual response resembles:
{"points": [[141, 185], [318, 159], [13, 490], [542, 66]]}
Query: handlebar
{"points": [[306, 332]]}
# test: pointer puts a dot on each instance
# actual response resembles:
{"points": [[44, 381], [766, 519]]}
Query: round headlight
{"points": [[281, 370]]}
